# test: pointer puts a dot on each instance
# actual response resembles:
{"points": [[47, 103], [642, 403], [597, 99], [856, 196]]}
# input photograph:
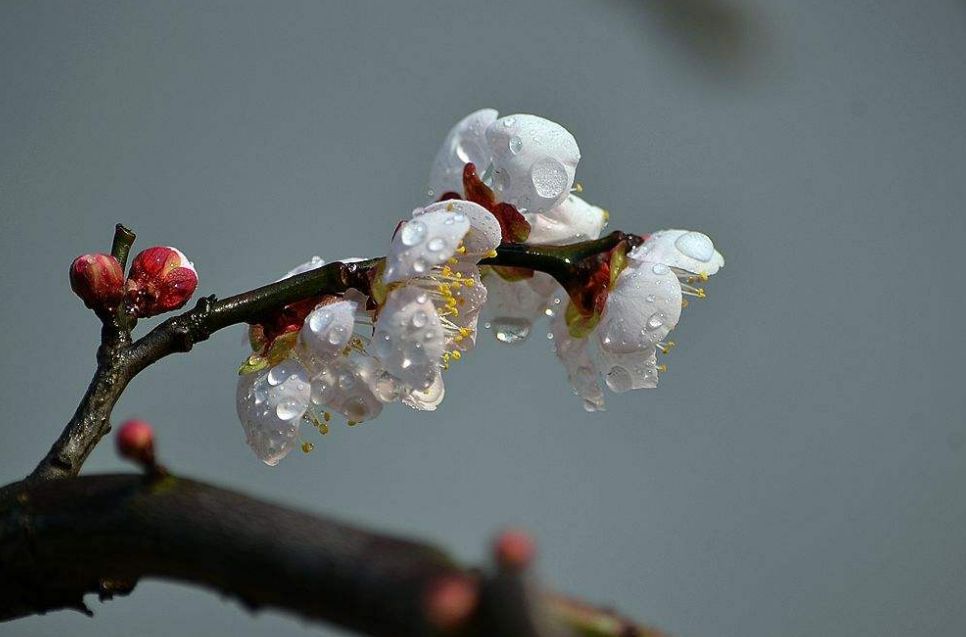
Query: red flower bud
{"points": [[135, 442], [161, 279], [514, 550], [450, 601], [98, 280]]}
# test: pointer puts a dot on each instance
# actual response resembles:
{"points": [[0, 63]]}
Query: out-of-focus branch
{"points": [[60, 540]]}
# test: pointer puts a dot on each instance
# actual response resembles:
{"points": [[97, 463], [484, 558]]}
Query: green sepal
{"points": [[580, 325]]}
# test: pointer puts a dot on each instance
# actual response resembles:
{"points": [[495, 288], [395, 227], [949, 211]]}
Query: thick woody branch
{"points": [[63, 539]]}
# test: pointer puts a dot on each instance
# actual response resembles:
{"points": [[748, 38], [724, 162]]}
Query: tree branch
{"points": [[63, 539], [119, 360]]}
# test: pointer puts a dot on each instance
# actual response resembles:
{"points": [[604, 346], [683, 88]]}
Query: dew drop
{"points": [[419, 319], [413, 233], [289, 409], [695, 245], [549, 177], [511, 330], [655, 321], [515, 144], [435, 245], [660, 268], [619, 380]]}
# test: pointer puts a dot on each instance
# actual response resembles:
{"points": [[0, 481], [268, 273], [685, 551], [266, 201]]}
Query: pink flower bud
{"points": [[98, 280], [161, 279], [135, 442]]}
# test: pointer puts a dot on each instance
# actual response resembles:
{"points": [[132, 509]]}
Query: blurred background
{"points": [[799, 472]]}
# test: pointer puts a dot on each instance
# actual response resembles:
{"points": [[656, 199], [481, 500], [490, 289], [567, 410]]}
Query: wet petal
{"points": [[427, 240], [534, 161], [484, 232], [682, 249], [465, 143], [643, 307], [326, 332], [270, 405], [630, 370], [582, 371], [343, 386], [426, 399], [573, 220], [408, 340]]}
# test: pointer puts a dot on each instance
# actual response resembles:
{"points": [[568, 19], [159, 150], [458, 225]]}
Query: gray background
{"points": [[800, 471]]}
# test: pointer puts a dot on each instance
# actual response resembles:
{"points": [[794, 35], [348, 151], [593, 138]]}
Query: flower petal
{"points": [[484, 232], [343, 386], [573, 220], [270, 405], [428, 240], [534, 161], [630, 370], [581, 369], [643, 307], [682, 249], [312, 264], [427, 399], [408, 340], [513, 306], [465, 143], [326, 332]]}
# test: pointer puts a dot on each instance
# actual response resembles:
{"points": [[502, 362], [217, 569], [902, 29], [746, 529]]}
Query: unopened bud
{"points": [[450, 601], [514, 549], [161, 279], [135, 442], [98, 280]]}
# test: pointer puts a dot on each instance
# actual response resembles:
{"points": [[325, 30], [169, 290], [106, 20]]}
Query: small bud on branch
{"points": [[161, 279], [98, 280]]}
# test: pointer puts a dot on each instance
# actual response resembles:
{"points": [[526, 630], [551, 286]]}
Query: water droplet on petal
{"points": [[419, 319], [549, 177], [515, 144], [660, 268], [511, 330], [655, 321], [619, 380], [435, 245], [413, 233], [695, 245]]}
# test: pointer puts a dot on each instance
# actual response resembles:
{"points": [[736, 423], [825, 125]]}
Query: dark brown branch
{"points": [[63, 539]]}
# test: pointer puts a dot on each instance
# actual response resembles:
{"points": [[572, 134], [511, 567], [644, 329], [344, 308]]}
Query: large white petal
{"points": [[643, 307], [534, 161], [683, 249], [423, 242], [408, 340], [270, 405], [484, 233], [573, 220], [465, 143]]}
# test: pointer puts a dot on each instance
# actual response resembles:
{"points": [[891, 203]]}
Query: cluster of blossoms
{"points": [[352, 353]]}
